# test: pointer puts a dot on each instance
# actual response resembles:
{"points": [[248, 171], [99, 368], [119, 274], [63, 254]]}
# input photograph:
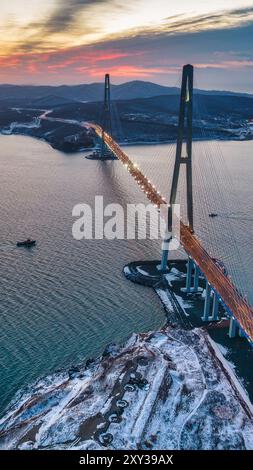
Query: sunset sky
{"points": [[77, 41]]}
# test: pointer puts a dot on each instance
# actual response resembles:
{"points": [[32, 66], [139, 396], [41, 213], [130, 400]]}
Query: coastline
{"points": [[154, 391], [124, 144], [185, 311]]}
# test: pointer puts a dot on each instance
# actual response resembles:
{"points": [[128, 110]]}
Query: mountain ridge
{"points": [[94, 91]]}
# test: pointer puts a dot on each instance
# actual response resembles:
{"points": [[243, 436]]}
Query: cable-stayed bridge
{"points": [[219, 287]]}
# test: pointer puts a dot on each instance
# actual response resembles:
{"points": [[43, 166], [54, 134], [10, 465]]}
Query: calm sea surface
{"points": [[64, 300]]}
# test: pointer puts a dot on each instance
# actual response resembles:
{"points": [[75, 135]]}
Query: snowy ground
{"points": [[164, 390]]}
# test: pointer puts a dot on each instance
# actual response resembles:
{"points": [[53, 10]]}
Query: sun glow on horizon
{"points": [[67, 41]]}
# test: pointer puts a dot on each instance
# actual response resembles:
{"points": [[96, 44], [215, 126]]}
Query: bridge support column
{"points": [[188, 288], [233, 327], [241, 333], [106, 117], [215, 309], [165, 253], [207, 302], [184, 131], [190, 265], [196, 279]]}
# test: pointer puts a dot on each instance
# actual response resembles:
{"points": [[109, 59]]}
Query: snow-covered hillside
{"points": [[163, 390]]}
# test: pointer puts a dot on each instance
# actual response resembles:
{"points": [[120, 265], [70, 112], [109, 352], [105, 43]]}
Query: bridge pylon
{"points": [[184, 134], [106, 121]]}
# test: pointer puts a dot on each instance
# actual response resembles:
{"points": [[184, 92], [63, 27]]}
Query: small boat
{"points": [[213, 214], [27, 243]]}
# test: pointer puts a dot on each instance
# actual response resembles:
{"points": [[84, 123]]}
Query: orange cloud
{"points": [[90, 57], [10, 62], [226, 64], [128, 71]]}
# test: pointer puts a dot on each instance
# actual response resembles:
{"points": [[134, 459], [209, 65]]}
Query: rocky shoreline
{"points": [[81, 142], [70, 134], [167, 389]]}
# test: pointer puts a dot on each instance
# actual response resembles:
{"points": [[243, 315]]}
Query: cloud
{"points": [[90, 58], [65, 14], [73, 22], [64, 21], [218, 45], [126, 71], [226, 64], [182, 24]]}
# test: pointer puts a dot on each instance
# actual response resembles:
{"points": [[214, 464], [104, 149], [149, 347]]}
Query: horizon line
{"points": [[122, 83]]}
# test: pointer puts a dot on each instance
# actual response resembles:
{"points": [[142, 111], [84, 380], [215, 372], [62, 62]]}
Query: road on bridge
{"points": [[235, 303]]}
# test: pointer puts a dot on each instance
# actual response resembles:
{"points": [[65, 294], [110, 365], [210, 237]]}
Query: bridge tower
{"points": [[184, 134], [106, 122]]}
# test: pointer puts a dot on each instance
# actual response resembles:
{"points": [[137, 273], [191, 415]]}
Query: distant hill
{"points": [[156, 118], [28, 95], [205, 106], [51, 100], [149, 119]]}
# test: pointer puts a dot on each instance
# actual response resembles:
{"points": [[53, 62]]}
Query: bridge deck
{"points": [[234, 301]]}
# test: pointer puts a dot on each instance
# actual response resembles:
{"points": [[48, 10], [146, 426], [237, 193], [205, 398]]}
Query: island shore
{"points": [[169, 389]]}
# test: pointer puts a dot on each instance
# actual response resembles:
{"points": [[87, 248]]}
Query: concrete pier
{"points": [[211, 313], [233, 328], [196, 279], [215, 309], [189, 288], [190, 266], [242, 333], [165, 252], [206, 313]]}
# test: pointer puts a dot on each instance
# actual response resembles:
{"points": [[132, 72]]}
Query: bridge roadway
{"points": [[235, 303]]}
